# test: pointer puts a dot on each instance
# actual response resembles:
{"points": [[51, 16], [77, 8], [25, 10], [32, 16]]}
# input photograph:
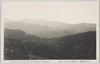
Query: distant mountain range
{"points": [[48, 29], [20, 45], [41, 39]]}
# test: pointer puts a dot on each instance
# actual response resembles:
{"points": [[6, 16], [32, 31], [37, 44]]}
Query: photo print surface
{"points": [[50, 30]]}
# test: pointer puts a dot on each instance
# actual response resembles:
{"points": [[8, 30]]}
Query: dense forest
{"points": [[20, 45]]}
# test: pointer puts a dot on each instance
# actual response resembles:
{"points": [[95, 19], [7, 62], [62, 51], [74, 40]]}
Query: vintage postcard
{"points": [[50, 31]]}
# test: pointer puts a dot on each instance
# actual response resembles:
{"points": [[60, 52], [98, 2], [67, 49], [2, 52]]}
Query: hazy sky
{"points": [[69, 12]]}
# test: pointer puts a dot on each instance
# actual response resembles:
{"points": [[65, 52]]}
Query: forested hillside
{"points": [[20, 45]]}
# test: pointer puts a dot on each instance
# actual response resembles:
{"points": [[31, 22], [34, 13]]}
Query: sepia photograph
{"points": [[50, 30]]}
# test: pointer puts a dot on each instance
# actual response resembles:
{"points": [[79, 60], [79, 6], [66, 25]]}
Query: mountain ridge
{"points": [[55, 29]]}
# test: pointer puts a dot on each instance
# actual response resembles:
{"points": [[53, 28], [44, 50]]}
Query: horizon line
{"points": [[47, 20]]}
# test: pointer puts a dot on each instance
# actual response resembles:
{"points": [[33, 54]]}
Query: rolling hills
{"points": [[20, 45], [48, 29]]}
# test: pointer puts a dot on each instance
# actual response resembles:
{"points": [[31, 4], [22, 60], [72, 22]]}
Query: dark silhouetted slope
{"points": [[19, 45]]}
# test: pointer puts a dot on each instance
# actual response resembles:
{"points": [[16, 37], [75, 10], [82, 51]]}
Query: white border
{"points": [[43, 61]]}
